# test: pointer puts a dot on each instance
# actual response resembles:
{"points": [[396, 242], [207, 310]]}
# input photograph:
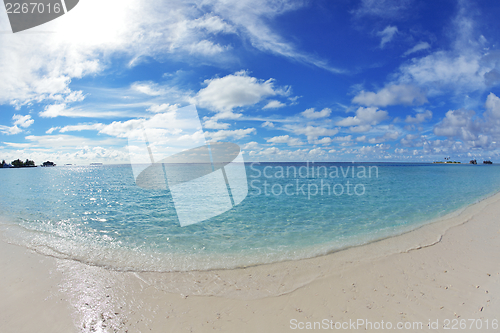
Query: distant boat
{"points": [[487, 162]]}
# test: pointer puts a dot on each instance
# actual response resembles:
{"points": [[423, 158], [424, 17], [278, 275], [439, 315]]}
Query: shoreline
{"points": [[342, 285], [319, 250]]}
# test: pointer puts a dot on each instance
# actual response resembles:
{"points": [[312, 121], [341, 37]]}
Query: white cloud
{"points": [[251, 145], [312, 132], [235, 90], [270, 151], [360, 128], [388, 136], [464, 68], [62, 110], [268, 124], [55, 110], [456, 123], [148, 88], [274, 104], [364, 119], [165, 107], [493, 106], [460, 124], [251, 18], [324, 141], [10, 130], [346, 138], [419, 117], [213, 24], [52, 130], [443, 70], [81, 127], [206, 48], [23, 121], [391, 95], [236, 134], [19, 120], [387, 35], [286, 139], [41, 69], [311, 114], [419, 47], [213, 124]]}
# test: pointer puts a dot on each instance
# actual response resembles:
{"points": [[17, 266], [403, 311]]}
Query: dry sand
{"points": [[445, 271]]}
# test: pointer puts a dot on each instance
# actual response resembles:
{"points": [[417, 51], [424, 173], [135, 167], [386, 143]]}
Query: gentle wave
{"points": [[98, 216]]}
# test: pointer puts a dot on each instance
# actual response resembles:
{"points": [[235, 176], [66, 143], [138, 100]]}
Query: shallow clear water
{"points": [[97, 215]]}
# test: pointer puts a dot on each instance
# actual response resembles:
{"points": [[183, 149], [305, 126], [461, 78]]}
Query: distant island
{"points": [[48, 164], [26, 164], [18, 164]]}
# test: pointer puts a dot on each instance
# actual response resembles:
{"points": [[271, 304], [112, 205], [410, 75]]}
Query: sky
{"points": [[286, 80]]}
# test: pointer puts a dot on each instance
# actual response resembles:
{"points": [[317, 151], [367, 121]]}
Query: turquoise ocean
{"points": [[97, 214]]}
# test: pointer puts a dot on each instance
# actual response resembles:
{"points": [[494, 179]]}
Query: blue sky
{"points": [[363, 80]]}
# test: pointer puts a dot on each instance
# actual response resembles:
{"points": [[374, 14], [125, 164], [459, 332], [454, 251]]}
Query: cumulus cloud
{"points": [[19, 121], [312, 132], [251, 145], [458, 123], [312, 114], [274, 104], [235, 90], [224, 134], [391, 95], [493, 106], [463, 68], [213, 124], [387, 35], [10, 130], [388, 136], [471, 130], [23, 121], [38, 69], [364, 119], [286, 139], [323, 141], [165, 107], [419, 117]]}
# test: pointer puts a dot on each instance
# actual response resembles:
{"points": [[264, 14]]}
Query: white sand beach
{"points": [[446, 272]]}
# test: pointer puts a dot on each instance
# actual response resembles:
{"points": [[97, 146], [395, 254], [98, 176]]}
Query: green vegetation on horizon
{"points": [[20, 164]]}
